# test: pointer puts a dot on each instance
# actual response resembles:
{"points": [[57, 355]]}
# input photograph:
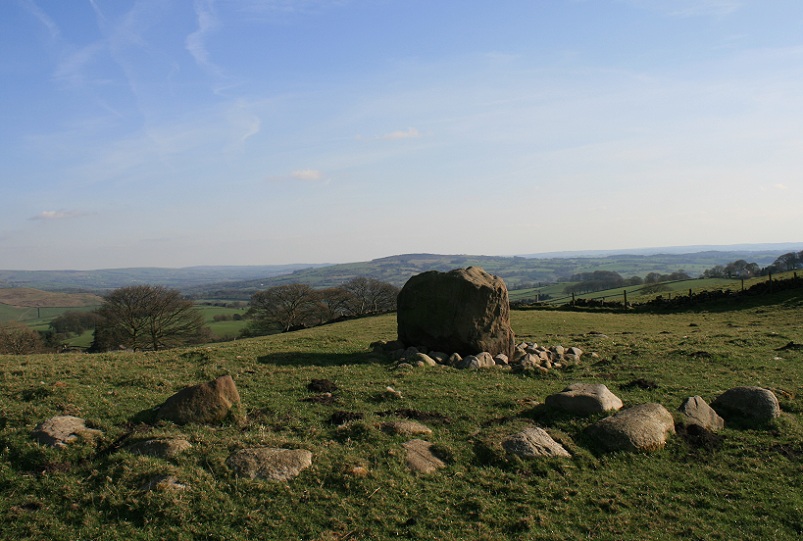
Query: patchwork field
{"points": [[742, 484]]}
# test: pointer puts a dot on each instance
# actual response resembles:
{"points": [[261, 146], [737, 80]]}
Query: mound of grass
{"points": [[743, 484]]}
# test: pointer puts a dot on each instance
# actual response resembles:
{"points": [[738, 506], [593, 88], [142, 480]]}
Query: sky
{"points": [[175, 133]]}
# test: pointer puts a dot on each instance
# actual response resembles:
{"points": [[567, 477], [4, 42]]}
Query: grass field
{"points": [[745, 486]]}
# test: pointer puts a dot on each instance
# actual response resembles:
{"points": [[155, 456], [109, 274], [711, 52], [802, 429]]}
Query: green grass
{"points": [[748, 488]]}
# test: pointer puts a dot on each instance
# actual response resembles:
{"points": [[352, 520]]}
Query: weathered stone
{"points": [[501, 359], [641, 428], [420, 458], [533, 442], [207, 403], [574, 351], [464, 311], [270, 463], [406, 428], [455, 359], [584, 399], [698, 412], [424, 359], [440, 357], [63, 429], [474, 362], [747, 404], [160, 448]]}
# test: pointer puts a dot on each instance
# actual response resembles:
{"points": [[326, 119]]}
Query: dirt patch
{"points": [[321, 386], [423, 416], [339, 418], [640, 383], [324, 398], [698, 437]]}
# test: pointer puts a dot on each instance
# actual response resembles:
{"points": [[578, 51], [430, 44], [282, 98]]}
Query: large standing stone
{"points": [[464, 311], [207, 403], [747, 404], [270, 463], [641, 428], [63, 429], [584, 399], [533, 442], [698, 412]]}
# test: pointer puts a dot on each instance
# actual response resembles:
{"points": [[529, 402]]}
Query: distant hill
{"points": [[25, 297], [239, 282], [98, 281], [518, 272]]}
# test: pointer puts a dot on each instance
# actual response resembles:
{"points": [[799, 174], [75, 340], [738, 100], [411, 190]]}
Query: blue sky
{"points": [[235, 132]]}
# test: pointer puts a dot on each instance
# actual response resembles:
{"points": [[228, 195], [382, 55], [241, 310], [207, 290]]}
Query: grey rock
{"points": [[207, 403], [533, 442], [420, 458], [698, 412], [63, 429], [406, 428], [641, 428], [747, 404], [160, 448], [584, 399], [270, 463]]}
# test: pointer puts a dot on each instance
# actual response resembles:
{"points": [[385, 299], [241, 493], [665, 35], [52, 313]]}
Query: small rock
{"points": [[501, 359], [698, 412], [160, 448], [270, 463], [533, 442], [424, 359], [420, 458], [207, 403], [584, 399], [407, 428], [63, 429]]}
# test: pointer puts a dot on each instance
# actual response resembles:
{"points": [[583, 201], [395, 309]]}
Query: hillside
{"points": [[739, 483], [25, 297]]}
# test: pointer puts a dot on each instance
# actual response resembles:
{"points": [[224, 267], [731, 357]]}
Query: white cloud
{"points": [[409, 133], [780, 186], [57, 215], [43, 18], [195, 42], [307, 175]]}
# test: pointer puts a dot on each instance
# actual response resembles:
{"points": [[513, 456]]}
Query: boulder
{"points": [[465, 311], [584, 399], [641, 428], [207, 403], [63, 429], [698, 412], [533, 442], [420, 458], [269, 463], [747, 404]]}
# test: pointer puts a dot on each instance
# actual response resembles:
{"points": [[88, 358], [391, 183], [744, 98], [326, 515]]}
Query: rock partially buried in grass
{"points": [[698, 412], [160, 448], [533, 442], [641, 428], [406, 428], [584, 399], [420, 458], [207, 403], [274, 464], [747, 404], [63, 429]]}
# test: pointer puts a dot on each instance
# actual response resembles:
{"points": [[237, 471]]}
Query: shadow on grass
{"points": [[283, 358]]}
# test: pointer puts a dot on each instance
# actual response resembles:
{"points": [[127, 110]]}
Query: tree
{"points": [[74, 322], [285, 307], [370, 296], [19, 339], [147, 318]]}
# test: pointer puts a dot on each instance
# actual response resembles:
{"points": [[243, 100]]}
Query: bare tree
{"points": [[370, 296], [148, 318], [285, 307]]}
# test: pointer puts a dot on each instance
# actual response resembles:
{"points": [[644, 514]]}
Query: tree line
{"points": [[152, 318], [742, 269]]}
